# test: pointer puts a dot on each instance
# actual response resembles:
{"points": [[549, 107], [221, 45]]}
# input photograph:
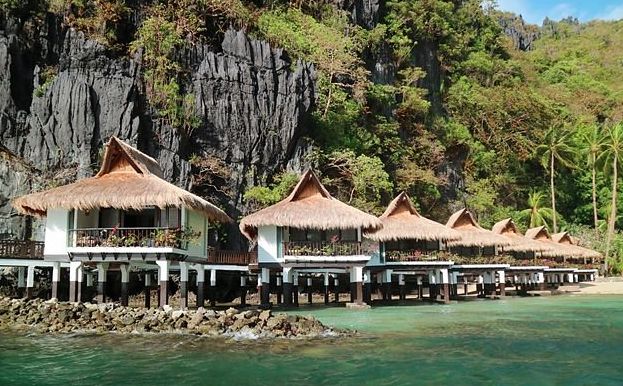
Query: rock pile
{"points": [[62, 317]]}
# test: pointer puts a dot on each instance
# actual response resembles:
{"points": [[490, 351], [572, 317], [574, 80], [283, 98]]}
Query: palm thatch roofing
{"points": [[558, 249], [566, 239], [128, 179], [519, 243], [309, 206], [402, 221], [472, 234]]}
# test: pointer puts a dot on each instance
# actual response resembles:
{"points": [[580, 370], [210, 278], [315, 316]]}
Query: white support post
{"points": [[75, 270], [30, 280], [125, 279], [101, 282], [163, 281], [184, 267]]}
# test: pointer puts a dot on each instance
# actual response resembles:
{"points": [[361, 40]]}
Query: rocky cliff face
{"points": [[251, 100], [522, 34]]}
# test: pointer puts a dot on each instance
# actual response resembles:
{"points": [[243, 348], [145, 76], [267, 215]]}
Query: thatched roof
{"points": [[309, 206], [566, 239], [472, 234], [558, 249], [519, 243], [402, 221], [128, 179]]}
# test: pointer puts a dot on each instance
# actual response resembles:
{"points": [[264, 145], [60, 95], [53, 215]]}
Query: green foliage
{"points": [[262, 196], [97, 18], [157, 40], [536, 214], [46, 78], [359, 180]]}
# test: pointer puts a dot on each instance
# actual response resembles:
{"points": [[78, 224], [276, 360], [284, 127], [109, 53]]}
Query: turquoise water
{"points": [[563, 340]]}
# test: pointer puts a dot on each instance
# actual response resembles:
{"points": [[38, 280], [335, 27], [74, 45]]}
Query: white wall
{"points": [[56, 232], [198, 223], [267, 244]]}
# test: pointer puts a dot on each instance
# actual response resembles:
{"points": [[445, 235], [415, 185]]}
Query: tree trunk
{"points": [[594, 186], [551, 182], [613, 209]]}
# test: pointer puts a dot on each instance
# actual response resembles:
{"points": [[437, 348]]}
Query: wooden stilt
{"points": [[147, 292], [295, 295], [287, 294], [163, 298], [309, 290], [367, 293], [446, 293]]}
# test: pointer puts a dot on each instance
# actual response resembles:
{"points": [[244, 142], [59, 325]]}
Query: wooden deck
{"points": [[225, 257], [19, 249]]}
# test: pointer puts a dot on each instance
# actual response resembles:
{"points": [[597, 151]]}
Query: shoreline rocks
{"points": [[36, 315]]}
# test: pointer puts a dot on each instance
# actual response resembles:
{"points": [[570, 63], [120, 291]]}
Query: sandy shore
{"points": [[601, 287]]}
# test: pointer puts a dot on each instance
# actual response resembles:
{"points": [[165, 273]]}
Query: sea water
{"points": [[563, 340]]}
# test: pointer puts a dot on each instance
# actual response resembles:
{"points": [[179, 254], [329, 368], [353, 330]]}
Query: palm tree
{"points": [[536, 214], [611, 159], [556, 148], [593, 146]]}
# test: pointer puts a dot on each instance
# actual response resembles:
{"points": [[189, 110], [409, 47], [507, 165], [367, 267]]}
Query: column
{"points": [[147, 289], [502, 284], [380, 291], [309, 290], [201, 278], [432, 285], [74, 267], [286, 274], [279, 289], [80, 277], [336, 288], [163, 281], [243, 290], [454, 282], [101, 282], [265, 295], [367, 287], [30, 281], [125, 279], [445, 280], [21, 279], [465, 284], [420, 290], [387, 283], [326, 288], [401, 285], [479, 285], [356, 285], [183, 285], [295, 288], [56, 278], [213, 287]]}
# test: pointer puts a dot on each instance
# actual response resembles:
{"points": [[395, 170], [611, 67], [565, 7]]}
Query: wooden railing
{"points": [[322, 248], [219, 256], [128, 237], [18, 249]]}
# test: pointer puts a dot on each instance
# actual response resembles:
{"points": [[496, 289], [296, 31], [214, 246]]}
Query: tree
{"points": [[536, 214], [556, 148], [592, 146], [611, 159]]}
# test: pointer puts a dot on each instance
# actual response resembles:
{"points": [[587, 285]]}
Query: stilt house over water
{"points": [[310, 233], [125, 216]]}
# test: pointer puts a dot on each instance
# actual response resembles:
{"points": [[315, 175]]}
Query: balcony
{"points": [[152, 237], [322, 248], [224, 257], [18, 249]]}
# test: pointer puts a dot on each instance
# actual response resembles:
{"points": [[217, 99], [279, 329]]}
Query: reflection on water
{"points": [[541, 341]]}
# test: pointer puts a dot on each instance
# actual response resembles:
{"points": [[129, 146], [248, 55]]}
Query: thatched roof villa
{"points": [[565, 238], [126, 215], [474, 239], [519, 243], [309, 229]]}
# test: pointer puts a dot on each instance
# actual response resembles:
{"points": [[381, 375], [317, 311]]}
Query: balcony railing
{"points": [[129, 237], [218, 256], [322, 248], [19, 249], [415, 255]]}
